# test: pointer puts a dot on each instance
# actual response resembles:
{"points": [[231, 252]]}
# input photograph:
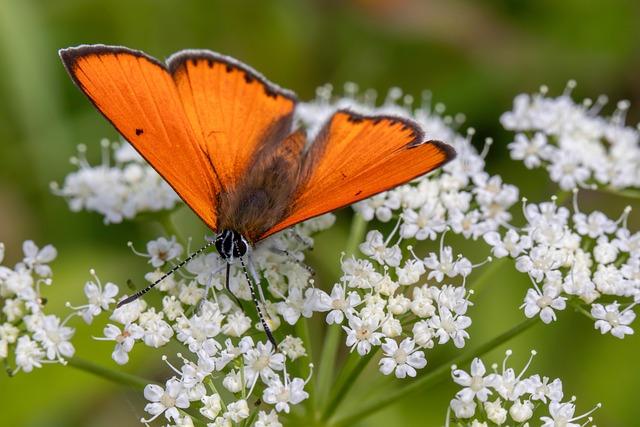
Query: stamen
{"points": [[395, 229], [576, 209], [571, 85], [595, 408], [165, 359], [133, 249], [595, 109], [507, 354], [105, 152], [487, 146], [533, 353]]}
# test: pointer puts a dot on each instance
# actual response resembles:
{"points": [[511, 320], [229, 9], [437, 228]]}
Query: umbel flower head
{"points": [[29, 337], [505, 396], [122, 186], [577, 145]]}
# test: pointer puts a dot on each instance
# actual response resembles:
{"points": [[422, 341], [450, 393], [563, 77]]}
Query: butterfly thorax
{"points": [[230, 244]]}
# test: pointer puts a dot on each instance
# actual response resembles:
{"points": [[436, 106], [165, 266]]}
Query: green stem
{"points": [[631, 193], [302, 330], [333, 333], [434, 377], [346, 384], [119, 377], [170, 229]]}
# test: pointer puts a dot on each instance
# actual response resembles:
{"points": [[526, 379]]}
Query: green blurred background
{"points": [[474, 56]]}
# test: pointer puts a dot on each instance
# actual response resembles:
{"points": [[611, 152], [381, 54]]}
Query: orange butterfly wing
{"points": [[198, 120], [233, 108], [355, 157], [139, 97]]}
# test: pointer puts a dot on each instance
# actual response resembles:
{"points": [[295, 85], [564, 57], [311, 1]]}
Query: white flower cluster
{"points": [[507, 397], [119, 188], [401, 303], [198, 313], [28, 336], [241, 369], [588, 257], [461, 195], [576, 145]]}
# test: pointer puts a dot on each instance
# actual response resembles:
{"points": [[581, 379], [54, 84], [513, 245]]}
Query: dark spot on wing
{"points": [[194, 61], [354, 119], [248, 77], [210, 62], [344, 176], [139, 131], [229, 68], [359, 192]]}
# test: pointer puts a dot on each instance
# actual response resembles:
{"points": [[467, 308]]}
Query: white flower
{"points": [[267, 419], [521, 411], [404, 359], [236, 324], [562, 414], [282, 394], [610, 319], [211, 406], [55, 337], [124, 339], [99, 298], [448, 326], [427, 223], [162, 250], [233, 381], [376, 248], [541, 388], [495, 412], [165, 400], [157, 332], [292, 347], [29, 355], [362, 334], [530, 151], [37, 259], [544, 302], [130, 312], [512, 244], [410, 273], [475, 383], [119, 191], [381, 206], [338, 304], [462, 408], [262, 361]]}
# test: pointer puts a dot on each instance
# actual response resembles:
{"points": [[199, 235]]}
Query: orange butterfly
{"points": [[221, 135]]}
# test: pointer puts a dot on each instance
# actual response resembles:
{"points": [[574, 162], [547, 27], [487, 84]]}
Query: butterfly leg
{"points": [[267, 329], [207, 289], [228, 288]]}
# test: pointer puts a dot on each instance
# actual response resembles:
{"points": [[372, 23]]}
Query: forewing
{"points": [[139, 97], [235, 110], [355, 157]]}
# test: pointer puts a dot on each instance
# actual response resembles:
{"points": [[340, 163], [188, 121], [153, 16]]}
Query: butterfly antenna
{"points": [[138, 294], [267, 329]]}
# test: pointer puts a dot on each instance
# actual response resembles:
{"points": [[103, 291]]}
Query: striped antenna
{"points": [[138, 294]]}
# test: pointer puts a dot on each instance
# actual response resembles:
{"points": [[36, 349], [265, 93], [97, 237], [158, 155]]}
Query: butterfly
{"points": [[222, 136]]}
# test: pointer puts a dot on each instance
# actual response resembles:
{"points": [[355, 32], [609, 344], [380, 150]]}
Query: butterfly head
{"points": [[231, 245]]}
